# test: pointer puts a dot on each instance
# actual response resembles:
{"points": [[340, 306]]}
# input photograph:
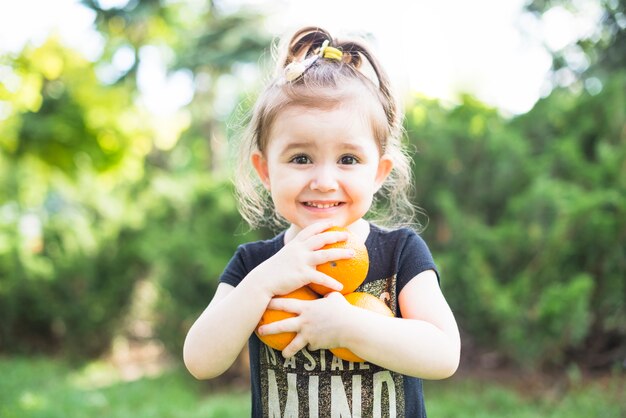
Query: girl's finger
{"points": [[297, 344], [327, 281], [324, 238], [286, 304], [331, 254], [284, 325], [334, 295]]}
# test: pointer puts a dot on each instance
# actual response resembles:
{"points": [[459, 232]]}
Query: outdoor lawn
{"points": [[41, 387]]}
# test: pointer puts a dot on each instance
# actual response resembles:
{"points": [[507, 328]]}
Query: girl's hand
{"points": [[318, 324], [295, 264]]}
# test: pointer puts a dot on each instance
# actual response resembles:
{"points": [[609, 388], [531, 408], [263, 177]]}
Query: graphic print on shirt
{"points": [[318, 384]]}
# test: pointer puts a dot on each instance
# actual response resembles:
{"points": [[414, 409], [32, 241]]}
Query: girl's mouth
{"points": [[322, 205]]}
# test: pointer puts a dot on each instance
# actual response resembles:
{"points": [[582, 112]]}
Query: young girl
{"points": [[323, 141]]}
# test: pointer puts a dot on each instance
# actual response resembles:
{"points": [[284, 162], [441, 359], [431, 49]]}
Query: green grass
{"points": [[38, 388], [48, 388], [472, 398]]}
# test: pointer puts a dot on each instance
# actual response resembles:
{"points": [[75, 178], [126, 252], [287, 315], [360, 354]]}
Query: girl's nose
{"points": [[324, 179]]}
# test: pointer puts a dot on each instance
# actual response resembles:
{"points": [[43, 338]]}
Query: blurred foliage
{"points": [[92, 201], [527, 215], [67, 269], [68, 145], [62, 115], [596, 54], [200, 38], [193, 231], [528, 220]]}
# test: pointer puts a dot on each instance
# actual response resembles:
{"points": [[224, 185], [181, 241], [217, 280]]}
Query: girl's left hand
{"points": [[318, 324]]}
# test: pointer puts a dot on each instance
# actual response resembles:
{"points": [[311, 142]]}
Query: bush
{"points": [[527, 222], [68, 292], [193, 231], [72, 291]]}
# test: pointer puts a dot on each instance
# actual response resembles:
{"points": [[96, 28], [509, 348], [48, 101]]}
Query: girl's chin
{"points": [[337, 221], [306, 223]]}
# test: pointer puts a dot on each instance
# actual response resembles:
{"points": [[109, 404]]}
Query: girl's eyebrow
{"points": [[352, 146], [295, 145], [307, 145]]}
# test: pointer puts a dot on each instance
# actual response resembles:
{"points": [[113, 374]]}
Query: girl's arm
{"points": [[424, 343], [221, 331]]}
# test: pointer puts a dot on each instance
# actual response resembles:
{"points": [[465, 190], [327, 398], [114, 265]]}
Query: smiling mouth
{"points": [[320, 205]]}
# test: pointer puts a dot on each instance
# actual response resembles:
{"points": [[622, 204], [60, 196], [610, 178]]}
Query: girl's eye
{"points": [[300, 159], [348, 160]]}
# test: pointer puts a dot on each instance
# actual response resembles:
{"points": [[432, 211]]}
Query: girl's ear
{"points": [[260, 165], [385, 165]]}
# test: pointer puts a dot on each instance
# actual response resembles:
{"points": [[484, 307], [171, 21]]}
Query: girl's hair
{"points": [[324, 84]]}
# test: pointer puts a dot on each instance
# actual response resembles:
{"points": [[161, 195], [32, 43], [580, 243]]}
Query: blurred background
{"points": [[117, 214]]}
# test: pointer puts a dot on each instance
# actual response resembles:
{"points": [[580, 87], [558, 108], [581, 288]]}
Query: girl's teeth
{"points": [[322, 205]]}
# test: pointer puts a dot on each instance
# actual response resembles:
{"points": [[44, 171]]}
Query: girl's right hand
{"points": [[295, 264]]}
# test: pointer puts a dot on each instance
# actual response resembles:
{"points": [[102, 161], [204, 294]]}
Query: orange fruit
{"points": [[350, 272], [282, 340], [364, 301]]}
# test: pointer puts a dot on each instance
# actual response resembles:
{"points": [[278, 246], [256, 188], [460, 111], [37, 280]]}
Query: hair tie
{"points": [[296, 68], [330, 52]]}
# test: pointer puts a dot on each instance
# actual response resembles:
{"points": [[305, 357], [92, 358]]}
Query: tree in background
{"points": [[91, 201], [604, 48], [196, 38], [582, 128], [528, 215], [66, 142]]}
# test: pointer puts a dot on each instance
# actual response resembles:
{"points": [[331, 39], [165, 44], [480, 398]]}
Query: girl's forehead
{"points": [[301, 105], [298, 111], [349, 111], [310, 121], [321, 129]]}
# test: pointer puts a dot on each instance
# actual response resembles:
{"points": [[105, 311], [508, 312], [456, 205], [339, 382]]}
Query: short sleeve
{"points": [[415, 258], [247, 257], [235, 270]]}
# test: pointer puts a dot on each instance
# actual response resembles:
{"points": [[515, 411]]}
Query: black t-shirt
{"points": [[316, 383]]}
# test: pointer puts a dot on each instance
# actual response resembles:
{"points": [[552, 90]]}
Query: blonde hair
{"points": [[324, 85]]}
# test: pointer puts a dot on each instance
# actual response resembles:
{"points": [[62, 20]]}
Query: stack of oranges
{"points": [[351, 273]]}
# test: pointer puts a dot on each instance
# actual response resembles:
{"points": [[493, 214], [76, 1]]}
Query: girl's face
{"points": [[322, 165]]}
